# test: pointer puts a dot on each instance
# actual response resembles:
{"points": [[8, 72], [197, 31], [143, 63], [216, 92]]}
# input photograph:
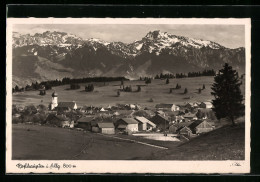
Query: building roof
{"points": [[182, 124], [207, 103], [183, 127], [157, 119], [194, 124], [129, 120], [121, 126], [163, 105], [189, 115], [105, 125], [66, 104], [144, 120], [141, 119], [85, 119], [160, 112]]}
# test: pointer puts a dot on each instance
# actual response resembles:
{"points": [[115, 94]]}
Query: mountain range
{"points": [[55, 55]]}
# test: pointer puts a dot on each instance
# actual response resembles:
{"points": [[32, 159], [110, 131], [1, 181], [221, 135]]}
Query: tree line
{"points": [[183, 75], [47, 85]]}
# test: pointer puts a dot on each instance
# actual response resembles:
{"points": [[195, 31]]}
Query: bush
{"points": [[185, 91], [89, 88], [199, 91], [148, 80], [16, 120], [138, 88], [167, 81], [74, 86]]}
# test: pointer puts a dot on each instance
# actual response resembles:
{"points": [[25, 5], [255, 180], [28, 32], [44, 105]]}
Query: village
{"points": [[166, 121]]}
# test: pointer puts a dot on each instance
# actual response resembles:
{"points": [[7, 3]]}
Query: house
{"points": [[132, 106], [67, 106], [184, 130], [169, 107], [127, 124], [207, 105], [58, 120], [144, 124], [190, 116], [106, 128], [102, 109], [116, 113], [85, 123], [161, 121], [200, 126], [189, 105], [178, 118]]}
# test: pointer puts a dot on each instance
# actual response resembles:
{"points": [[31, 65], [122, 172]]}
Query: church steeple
{"points": [[54, 100]]}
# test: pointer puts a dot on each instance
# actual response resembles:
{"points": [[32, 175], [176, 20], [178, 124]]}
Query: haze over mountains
{"points": [[55, 55]]}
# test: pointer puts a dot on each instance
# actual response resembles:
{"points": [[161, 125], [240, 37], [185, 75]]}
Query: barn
{"points": [[200, 126], [127, 124], [161, 121], [144, 124], [184, 130], [106, 128], [85, 123]]}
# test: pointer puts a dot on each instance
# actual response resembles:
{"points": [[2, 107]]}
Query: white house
{"points": [[127, 124], [144, 124]]}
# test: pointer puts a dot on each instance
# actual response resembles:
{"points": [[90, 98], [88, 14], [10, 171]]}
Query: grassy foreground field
{"points": [[106, 94], [33, 142], [225, 143]]}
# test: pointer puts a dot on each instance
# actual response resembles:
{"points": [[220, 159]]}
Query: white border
{"points": [[121, 166]]}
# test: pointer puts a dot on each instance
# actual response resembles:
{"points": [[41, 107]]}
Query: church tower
{"points": [[54, 100]]}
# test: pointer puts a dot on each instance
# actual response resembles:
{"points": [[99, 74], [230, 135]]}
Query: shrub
{"points": [[74, 86], [185, 91], [167, 81], [150, 100], [89, 88], [16, 120]]}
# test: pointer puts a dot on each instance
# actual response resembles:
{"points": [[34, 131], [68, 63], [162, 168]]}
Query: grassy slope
{"points": [[104, 95], [49, 143], [225, 143]]}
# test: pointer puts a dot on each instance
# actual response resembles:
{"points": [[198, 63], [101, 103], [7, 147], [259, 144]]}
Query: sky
{"points": [[231, 36]]}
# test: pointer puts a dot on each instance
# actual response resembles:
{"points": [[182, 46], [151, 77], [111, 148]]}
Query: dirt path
{"points": [[86, 144]]}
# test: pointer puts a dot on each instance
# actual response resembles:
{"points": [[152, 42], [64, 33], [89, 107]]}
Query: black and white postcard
{"points": [[128, 95]]}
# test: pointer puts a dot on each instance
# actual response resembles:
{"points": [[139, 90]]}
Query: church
{"points": [[65, 106]]}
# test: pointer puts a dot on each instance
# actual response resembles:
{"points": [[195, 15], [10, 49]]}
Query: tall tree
{"points": [[227, 93]]}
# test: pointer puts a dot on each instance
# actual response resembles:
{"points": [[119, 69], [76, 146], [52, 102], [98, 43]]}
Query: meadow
{"points": [[104, 95]]}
